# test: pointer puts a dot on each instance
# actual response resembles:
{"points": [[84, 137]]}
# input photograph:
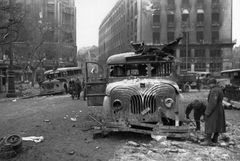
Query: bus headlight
{"points": [[168, 102], [117, 104]]}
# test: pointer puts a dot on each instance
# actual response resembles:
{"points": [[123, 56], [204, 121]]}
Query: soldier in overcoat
{"points": [[78, 87], [215, 122]]}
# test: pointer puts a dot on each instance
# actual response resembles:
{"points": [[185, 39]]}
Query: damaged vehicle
{"points": [[139, 93]]}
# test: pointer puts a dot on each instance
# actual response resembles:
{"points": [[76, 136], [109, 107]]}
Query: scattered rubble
{"points": [[36, 139]]}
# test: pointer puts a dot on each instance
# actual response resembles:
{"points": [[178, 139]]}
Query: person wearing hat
{"points": [[199, 110], [215, 122]]}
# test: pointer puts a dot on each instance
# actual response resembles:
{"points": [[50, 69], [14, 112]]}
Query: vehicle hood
{"points": [[138, 82]]}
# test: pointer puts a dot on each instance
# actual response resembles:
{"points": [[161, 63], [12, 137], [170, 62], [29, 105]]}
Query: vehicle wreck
{"points": [[139, 93]]}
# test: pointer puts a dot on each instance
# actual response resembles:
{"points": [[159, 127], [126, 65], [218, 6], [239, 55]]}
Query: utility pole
{"points": [[187, 37], [11, 85]]}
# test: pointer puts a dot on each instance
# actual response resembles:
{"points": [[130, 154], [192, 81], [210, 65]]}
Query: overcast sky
{"points": [[90, 14]]}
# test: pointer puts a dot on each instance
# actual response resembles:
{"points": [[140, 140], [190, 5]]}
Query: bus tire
{"points": [[186, 88], [15, 140]]}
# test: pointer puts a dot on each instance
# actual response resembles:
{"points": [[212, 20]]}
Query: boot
{"points": [[198, 125], [215, 139], [208, 141]]}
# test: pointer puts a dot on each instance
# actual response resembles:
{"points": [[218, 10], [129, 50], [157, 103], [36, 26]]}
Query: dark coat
{"points": [[78, 86], [199, 110], [215, 115]]}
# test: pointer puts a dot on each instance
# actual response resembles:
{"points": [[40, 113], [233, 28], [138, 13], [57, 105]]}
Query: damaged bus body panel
{"points": [[140, 94]]}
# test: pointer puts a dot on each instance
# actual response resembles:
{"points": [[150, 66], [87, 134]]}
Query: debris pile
{"points": [[184, 150], [11, 145]]}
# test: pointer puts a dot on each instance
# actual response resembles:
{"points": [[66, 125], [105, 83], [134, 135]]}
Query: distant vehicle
{"points": [[138, 92], [186, 81], [232, 90], [203, 76], [57, 81]]}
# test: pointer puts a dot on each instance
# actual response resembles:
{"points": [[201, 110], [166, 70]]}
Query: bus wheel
{"points": [[185, 88], [15, 140]]}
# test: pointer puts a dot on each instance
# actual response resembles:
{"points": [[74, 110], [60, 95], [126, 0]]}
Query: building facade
{"points": [[206, 27], [59, 19]]}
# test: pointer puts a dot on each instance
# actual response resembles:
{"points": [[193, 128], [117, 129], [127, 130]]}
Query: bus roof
{"points": [[230, 71], [61, 70], [193, 72], [119, 58]]}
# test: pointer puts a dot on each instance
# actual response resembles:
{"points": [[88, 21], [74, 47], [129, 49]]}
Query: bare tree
{"points": [[30, 43]]}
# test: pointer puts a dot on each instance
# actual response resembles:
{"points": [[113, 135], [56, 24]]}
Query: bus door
{"points": [[95, 84]]}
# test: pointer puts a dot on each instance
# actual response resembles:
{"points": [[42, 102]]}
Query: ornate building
{"points": [[59, 19], [206, 26]]}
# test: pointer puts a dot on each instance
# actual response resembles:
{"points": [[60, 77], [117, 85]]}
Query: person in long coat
{"points": [[215, 121], [78, 88]]}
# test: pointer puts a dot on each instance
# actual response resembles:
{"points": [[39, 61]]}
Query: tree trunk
{"points": [[33, 77]]}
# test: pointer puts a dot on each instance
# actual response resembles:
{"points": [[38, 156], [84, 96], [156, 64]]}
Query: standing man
{"points": [[199, 110], [78, 88], [215, 122], [198, 84]]}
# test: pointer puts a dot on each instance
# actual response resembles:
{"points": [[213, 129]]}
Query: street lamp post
{"points": [[11, 85], [186, 50], [187, 35]]}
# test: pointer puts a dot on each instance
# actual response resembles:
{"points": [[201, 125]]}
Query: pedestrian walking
{"points": [[199, 109], [198, 84], [71, 84], [215, 122], [78, 88]]}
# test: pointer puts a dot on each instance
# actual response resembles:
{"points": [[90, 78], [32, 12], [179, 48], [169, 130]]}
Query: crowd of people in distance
{"points": [[76, 87]]}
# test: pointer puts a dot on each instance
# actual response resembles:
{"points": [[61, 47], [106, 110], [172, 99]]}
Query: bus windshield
{"points": [[141, 69]]}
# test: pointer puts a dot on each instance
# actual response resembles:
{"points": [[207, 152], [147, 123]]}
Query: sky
{"points": [[90, 14]]}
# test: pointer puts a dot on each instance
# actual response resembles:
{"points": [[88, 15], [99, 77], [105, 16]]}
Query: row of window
{"points": [[185, 17], [200, 53], [202, 66], [186, 2], [199, 37]]}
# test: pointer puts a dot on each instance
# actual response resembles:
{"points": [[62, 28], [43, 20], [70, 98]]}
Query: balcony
{"points": [[215, 23], [156, 25], [170, 24], [185, 24], [200, 24]]}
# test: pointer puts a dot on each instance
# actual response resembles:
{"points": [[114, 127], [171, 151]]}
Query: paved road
{"points": [[29, 117]]}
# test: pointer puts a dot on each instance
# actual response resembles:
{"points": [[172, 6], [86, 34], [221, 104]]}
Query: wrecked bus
{"points": [[138, 93]]}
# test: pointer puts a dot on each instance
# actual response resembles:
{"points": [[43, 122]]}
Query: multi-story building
{"points": [[206, 26], [60, 16], [59, 19]]}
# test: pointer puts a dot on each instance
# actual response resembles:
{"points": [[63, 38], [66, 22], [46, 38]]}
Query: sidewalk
{"points": [[2, 95]]}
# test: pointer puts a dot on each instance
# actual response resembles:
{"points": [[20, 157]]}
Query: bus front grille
{"points": [[142, 105]]}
